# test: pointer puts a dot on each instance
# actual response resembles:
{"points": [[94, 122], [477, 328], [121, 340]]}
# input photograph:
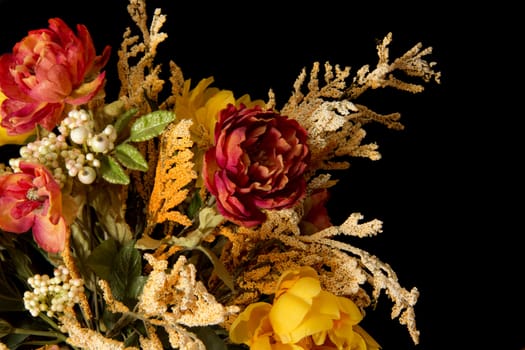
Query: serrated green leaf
{"points": [[150, 125], [101, 259], [130, 157], [124, 119], [112, 172]]}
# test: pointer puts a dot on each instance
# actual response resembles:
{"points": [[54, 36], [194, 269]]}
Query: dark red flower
{"points": [[257, 163]]}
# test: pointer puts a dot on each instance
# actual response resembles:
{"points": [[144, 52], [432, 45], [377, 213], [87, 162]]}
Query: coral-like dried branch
{"points": [[141, 84], [411, 64], [177, 86], [174, 299]]}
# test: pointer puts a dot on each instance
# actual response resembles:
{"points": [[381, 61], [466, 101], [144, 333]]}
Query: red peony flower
{"points": [[46, 70], [32, 199], [258, 162]]}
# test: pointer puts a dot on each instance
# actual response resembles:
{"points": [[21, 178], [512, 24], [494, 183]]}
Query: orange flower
{"points": [[32, 200], [303, 316], [46, 70]]}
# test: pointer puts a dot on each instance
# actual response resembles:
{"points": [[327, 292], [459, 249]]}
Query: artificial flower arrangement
{"points": [[192, 221]]}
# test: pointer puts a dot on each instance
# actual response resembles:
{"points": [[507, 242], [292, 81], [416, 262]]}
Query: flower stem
{"points": [[50, 334]]}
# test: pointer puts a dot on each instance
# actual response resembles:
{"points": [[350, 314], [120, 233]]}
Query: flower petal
{"points": [[50, 237]]}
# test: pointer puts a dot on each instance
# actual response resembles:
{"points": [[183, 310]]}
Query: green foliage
{"points": [[150, 125], [126, 155], [112, 171], [130, 157], [124, 119], [121, 266], [210, 338]]}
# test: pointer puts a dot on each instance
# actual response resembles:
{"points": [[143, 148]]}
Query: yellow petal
{"points": [[287, 313], [289, 277], [247, 324], [6, 139], [306, 288], [20, 139], [312, 324], [350, 308], [371, 343], [261, 343]]}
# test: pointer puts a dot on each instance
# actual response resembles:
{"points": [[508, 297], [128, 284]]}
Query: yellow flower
{"points": [[6, 139], [202, 104], [303, 316]]}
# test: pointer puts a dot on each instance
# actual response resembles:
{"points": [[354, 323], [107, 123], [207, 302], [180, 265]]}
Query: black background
{"points": [[448, 188]]}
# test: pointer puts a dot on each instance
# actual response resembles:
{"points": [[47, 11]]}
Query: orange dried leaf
{"points": [[174, 171]]}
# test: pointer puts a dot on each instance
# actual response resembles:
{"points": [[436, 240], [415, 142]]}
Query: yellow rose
{"points": [[303, 316], [6, 139]]}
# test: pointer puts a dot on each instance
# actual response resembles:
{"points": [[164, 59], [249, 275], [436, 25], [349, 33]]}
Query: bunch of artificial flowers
{"points": [[191, 222]]}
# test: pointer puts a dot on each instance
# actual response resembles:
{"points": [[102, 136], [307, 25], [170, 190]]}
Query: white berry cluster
{"points": [[52, 295], [79, 125], [75, 159], [47, 151]]}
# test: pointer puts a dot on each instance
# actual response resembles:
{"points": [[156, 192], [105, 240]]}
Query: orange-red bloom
{"points": [[46, 70], [257, 162], [31, 199]]}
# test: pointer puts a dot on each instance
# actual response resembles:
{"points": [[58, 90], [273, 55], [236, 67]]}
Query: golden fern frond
{"points": [[174, 171]]}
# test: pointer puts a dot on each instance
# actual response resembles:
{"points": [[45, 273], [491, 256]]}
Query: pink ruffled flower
{"points": [[48, 69], [31, 199], [257, 163]]}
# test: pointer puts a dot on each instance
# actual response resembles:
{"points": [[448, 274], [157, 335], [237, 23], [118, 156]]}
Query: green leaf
{"points": [[210, 338], [121, 267], [126, 269], [82, 241], [107, 202], [130, 157], [218, 267], [136, 286], [124, 119], [102, 257], [150, 125], [195, 205], [112, 172]]}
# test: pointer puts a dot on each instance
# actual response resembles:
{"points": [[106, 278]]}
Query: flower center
{"points": [[32, 194]]}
